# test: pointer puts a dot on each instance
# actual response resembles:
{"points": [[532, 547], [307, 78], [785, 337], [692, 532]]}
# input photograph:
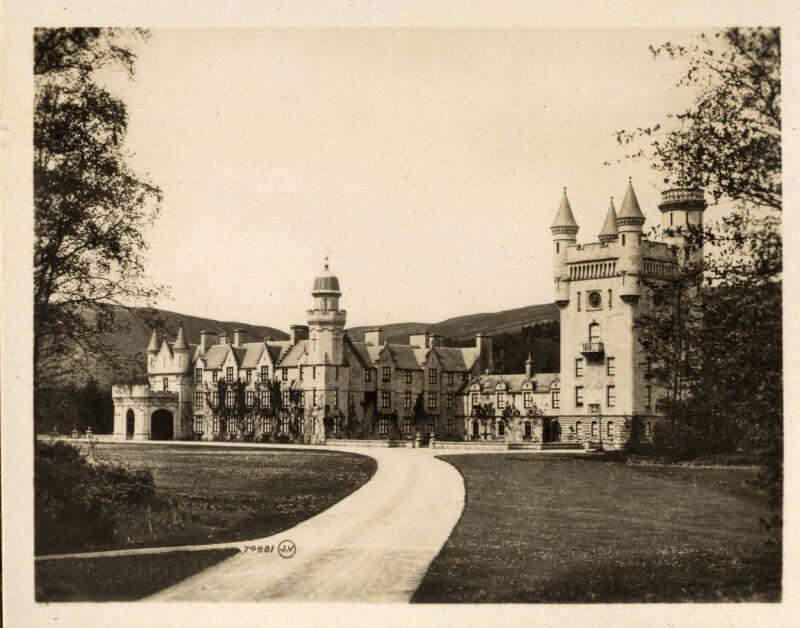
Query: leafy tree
{"points": [[716, 339], [89, 206]]}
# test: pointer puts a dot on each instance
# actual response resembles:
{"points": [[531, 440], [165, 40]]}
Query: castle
{"points": [[320, 384]]}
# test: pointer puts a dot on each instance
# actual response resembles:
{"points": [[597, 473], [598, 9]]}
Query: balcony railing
{"points": [[592, 348]]}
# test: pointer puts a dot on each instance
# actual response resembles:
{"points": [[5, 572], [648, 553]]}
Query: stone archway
{"points": [[162, 425], [130, 424]]}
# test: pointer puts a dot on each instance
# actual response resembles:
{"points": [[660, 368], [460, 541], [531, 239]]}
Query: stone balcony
{"points": [[592, 349]]}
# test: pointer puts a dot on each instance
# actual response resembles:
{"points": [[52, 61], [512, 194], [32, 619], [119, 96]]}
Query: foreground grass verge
{"points": [[563, 529], [119, 578], [218, 494]]}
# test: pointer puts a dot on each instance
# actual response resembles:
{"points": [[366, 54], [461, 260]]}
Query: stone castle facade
{"points": [[321, 384]]}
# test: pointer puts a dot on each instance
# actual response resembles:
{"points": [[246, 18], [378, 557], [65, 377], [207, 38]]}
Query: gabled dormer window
{"points": [[229, 374], [368, 375], [386, 374], [198, 376], [408, 377], [214, 375], [450, 378], [433, 376]]}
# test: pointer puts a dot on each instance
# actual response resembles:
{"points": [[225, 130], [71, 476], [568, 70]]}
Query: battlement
{"points": [[660, 251], [592, 252], [140, 391]]}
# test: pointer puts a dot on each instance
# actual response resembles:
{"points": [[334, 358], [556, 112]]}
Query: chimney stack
{"points": [[419, 339], [529, 366], [223, 338], [206, 339], [298, 332], [374, 336], [239, 337], [483, 343], [435, 340]]}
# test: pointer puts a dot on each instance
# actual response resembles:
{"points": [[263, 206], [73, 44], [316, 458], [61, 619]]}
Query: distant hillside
{"points": [[131, 346], [463, 328]]}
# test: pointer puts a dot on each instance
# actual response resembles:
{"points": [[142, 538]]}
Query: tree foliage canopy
{"points": [[90, 206]]}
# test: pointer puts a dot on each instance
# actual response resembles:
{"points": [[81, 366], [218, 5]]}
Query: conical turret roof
{"points": [[564, 217], [609, 230], [180, 341], [630, 206], [154, 343]]}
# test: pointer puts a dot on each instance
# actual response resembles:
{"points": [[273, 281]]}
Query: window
{"points": [[594, 332], [433, 375], [268, 425], [579, 301], [527, 399], [578, 367], [250, 398], [285, 375], [285, 400], [216, 425], [230, 398], [264, 373], [431, 400], [450, 426], [578, 431], [386, 374], [648, 429], [198, 399], [578, 396], [407, 426], [368, 375], [431, 426], [165, 383], [386, 399], [248, 375], [214, 398], [610, 301], [229, 374], [407, 400], [623, 239], [594, 301], [476, 399], [302, 399], [336, 375], [198, 376], [383, 426], [528, 430], [198, 424], [450, 379], [263, 398], [611, 396], [594, 429], [555, 399], [408, 377], [611, 367], [300, 369], [313, 372], [648, 365], [648, 391], [464, 376], [249, 424], [501, 429], [449, 401], [501, 400], [285, 426], [610, 429], [214, 375]]}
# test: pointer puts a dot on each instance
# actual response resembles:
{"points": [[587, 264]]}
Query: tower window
{"points": [[578, 396], [648, 392], [558, 248], [623, 239], [165, 383], [611, 396], [578, 367], [555, 399], [610, 429], [198, 399], [611, 367], [594, 300], [579, 301], [594, 332], [671, 218], [610, 302]]}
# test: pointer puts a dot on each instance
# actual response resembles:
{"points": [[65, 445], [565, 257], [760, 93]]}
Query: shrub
{"points": [[76, 503]]}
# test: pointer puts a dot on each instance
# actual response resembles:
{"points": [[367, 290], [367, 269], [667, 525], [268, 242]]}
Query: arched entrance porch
{"points": [[162, 425]]}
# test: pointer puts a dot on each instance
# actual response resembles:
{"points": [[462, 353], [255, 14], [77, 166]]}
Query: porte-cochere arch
{"points": [[162, 425]]}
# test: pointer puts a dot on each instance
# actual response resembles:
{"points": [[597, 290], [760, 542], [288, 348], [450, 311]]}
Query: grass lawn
{"points": [[566, 529], [119, 578], [218, 494]]}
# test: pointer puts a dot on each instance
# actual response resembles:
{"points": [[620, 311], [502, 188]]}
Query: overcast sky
{"points": [[427, 163]]}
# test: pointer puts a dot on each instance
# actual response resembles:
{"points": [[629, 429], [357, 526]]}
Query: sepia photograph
{"points": [[423, 315]]}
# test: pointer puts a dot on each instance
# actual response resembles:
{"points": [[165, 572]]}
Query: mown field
{"points": [[219, 494], [204, 495], [566, 529]]}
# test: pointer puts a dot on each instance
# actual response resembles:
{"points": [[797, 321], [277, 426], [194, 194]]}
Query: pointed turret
{"points": [[564, 221], [564, 230], [630, 213], [609, 231], [154, 343], [180, 341]]}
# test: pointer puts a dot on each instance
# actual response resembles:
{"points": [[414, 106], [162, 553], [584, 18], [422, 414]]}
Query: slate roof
{"points": [[630, 205], [609, 229], [293, 357], [564, 217], [515, 381]]}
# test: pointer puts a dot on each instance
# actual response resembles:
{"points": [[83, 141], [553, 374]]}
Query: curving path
{"points": [[375, 545]]}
